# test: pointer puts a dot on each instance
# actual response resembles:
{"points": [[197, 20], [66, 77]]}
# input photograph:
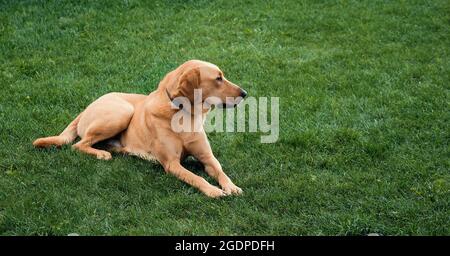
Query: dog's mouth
{"points": [[225, 105], [231, 103]]}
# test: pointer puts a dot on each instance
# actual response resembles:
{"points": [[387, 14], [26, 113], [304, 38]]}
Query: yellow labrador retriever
{"points": [[141, 125]]}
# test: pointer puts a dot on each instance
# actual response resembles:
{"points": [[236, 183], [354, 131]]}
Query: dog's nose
{"points": [[243, 93]]}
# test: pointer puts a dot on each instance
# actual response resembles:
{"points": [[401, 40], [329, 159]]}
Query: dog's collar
{"points": [[168, 95], [171, 101], [174, 104]]}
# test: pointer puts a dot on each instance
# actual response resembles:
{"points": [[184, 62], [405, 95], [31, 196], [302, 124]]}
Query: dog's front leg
{"points": [[201, 150], [174, 167], [214, 169]]}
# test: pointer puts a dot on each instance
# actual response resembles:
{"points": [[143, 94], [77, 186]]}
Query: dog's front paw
{"points": [[214, 192], [230, 188]]}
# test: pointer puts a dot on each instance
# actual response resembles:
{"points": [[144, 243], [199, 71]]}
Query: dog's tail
{"points": [[67, 136]]}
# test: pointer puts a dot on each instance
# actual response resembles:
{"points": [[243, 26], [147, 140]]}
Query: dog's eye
{"points": [[219, 78]]}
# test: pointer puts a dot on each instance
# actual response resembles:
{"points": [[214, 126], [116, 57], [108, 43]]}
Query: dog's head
{"points": [[196, 76]]}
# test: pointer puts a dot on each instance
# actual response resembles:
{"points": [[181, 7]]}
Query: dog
{"points": [[140, 125]]}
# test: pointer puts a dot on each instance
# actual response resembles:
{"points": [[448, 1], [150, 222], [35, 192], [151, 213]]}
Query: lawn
{"points": [[364, 116]]}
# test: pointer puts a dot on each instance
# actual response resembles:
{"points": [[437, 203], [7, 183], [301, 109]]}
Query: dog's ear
{"points": [[187, 82]]}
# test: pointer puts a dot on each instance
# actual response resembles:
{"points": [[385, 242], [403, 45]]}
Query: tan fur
{"points": [[142, 126]]}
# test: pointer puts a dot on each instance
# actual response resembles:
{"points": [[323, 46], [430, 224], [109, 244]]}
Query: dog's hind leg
{"points": [[67, 136], [105, 125], [96, 132], [85, 146], [104, 118]]}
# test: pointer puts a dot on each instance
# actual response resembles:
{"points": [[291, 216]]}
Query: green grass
{"points": [[364, 111]]}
